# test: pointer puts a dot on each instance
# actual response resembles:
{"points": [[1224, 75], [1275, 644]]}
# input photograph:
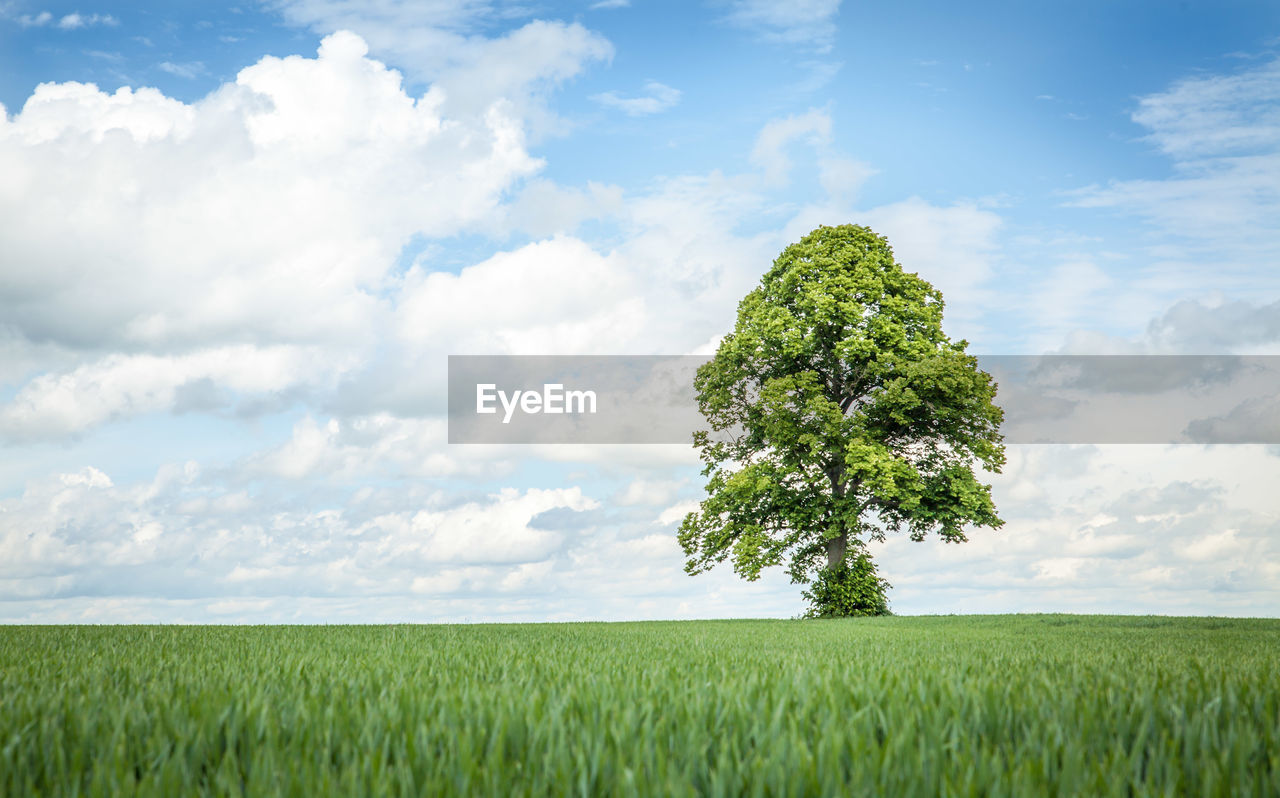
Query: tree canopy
{"points": [[839, 411]]}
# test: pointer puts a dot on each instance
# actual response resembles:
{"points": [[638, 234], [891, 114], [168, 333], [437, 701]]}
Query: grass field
{"points": [[990, 706]]}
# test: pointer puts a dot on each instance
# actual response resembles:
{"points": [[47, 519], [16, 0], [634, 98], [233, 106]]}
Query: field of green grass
{"points": [[990, 706]]}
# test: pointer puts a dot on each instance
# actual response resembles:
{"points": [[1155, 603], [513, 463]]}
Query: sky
{"points": [[238, 244]]}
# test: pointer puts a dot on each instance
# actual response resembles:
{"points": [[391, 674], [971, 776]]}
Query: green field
{"points": [[994, 705]]}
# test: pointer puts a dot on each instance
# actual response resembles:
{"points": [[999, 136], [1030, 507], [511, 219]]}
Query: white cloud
{"points": [[79, 534], [1064, 290], [799, 22], [266, 215], [646, 492], [544, 208], [1216, 114], [520, 66], [677, 512], [54, 406], [75, 545], [38, 20], [1129, 529], [450, 15], [770, 151], [495, 532], [1220, 204], [72, 21], [657, 98], [1213, 547], [379, 446], [245, 211], [268, 249], [1194, 327], [556, 296], [841, 178], [954, 247], [189, 70], [439, 41], [690, 263], [78, 20], [1205, 232]]}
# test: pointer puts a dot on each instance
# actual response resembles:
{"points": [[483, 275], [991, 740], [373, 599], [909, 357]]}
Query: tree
{"points": [[839, 412]]}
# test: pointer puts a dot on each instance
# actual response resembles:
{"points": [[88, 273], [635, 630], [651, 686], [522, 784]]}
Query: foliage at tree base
{"points": [[853, 589]]}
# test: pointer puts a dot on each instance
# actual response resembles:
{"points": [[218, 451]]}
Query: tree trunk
{"points": [[836, 548]]}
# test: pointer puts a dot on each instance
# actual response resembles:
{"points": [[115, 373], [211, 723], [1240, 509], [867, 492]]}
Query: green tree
{"points": [[839, 412]]}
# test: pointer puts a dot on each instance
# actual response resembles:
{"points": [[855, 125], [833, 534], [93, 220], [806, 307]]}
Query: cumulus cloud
{"points": [[1237, 326], [1194, 327], [440, 41], [158, 238], [156, 198], [291, 242], [679, 258], [53, 406], [1202, 370], [210, 256], [676, 512], [1254, 419], [379, 446], [647, 492], [1126, 529], [556, 296], [543, 208], [183, 534], [80, 547]]}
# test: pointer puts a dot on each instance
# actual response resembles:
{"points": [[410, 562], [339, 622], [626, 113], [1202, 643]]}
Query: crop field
{"points": [[980, 705]]}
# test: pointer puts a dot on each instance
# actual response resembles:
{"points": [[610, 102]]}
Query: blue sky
{"points": [[1028, 96], [233, 267]]}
